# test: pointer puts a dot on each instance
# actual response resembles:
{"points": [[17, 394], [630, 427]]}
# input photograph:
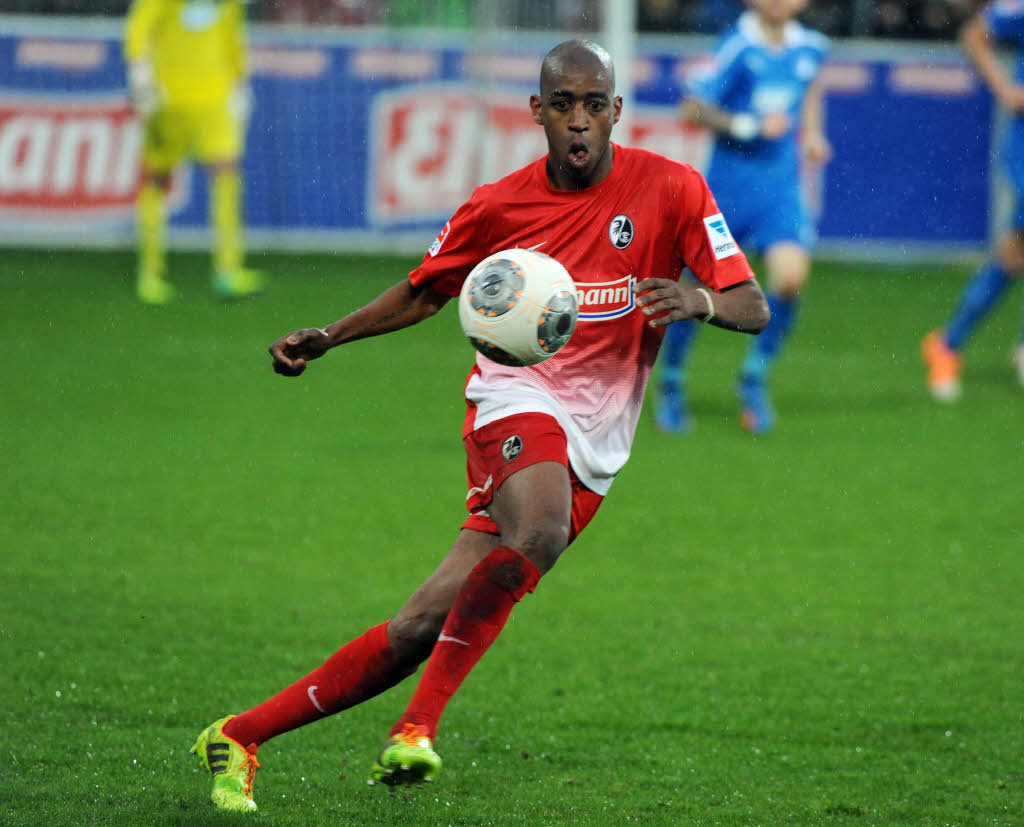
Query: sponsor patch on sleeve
{"points": [[435, 248], [721, 239]]}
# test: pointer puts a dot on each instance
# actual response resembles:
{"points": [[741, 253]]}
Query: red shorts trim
{"points": [[496, 451]]}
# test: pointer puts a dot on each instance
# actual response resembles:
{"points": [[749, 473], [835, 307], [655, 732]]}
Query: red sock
{"points": [[359, 670], [482, 607]]}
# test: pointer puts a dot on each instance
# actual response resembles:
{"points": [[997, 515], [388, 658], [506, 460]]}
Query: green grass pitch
{"points": [[822, 626]]}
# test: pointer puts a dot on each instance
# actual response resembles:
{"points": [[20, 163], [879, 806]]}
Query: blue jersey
{"points": [[748, 75], [1005, 20]]}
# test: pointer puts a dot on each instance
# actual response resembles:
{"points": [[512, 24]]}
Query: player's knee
{"points": [[221, 167], [1011, 254], [159, 179], [787, 282], [788, 268], [543, 540], [413, 637]]}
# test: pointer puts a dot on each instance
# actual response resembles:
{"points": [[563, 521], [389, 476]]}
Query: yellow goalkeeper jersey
{"points": [[197, 48]]}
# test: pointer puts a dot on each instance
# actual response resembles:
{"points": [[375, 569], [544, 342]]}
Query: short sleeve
{"points": [[712, 81], [704, 241], [460, 245], [1005, 19], [138, 29]]}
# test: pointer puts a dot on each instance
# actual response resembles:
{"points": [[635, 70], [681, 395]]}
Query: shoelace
{"points": [[250, 764], [411, 735]]}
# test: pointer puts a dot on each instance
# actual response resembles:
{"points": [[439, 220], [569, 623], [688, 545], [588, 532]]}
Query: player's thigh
{"points": [[219, 140], [1010, 252], [165, 141], [1009, 248], [413, 631], [533, 512], [788, 264]]}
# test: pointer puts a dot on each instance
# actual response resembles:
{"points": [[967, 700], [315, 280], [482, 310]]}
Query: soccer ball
{"points": [[518, 307]]}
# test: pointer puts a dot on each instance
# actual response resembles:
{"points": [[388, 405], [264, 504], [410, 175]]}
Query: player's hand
{"points": [[240, 102], [292, 352], [1012, 98], [774, 125], [667, 301], [143, 89], [816, 148]]}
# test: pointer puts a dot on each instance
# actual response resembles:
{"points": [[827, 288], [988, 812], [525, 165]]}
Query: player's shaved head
{"points": [[576, 54]]}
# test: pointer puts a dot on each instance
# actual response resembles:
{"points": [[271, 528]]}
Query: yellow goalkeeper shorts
{"points": [[208, 136]]}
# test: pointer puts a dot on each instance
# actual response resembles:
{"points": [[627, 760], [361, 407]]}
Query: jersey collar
{"points": [[617, 162], [750, 28]]}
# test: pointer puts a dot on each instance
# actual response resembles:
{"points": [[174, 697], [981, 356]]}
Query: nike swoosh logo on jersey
{"points": [[441, 638]]}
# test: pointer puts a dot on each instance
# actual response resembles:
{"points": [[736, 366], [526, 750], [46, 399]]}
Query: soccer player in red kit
{"points": [[543, 443]]}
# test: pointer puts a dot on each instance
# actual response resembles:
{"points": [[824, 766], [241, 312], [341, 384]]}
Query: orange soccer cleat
{"points": [[943, 367]]}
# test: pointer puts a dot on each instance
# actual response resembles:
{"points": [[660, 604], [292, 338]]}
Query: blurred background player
{"points": [[188, 82], [941, 349], [762, 98], [543, 443]]}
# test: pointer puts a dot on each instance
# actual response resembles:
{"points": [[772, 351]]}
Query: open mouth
{"points": [[579, 155]]}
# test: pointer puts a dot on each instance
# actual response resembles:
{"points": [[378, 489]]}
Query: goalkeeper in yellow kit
{"points": [[188, 82]]}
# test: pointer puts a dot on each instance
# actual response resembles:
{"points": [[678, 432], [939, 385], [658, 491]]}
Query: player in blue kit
{"points": [[941, 349], [762, 97]]}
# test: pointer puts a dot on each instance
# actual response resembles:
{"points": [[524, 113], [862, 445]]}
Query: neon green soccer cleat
{"points": [[407, 758], [154, 290], [232, 766], [237, 284]]}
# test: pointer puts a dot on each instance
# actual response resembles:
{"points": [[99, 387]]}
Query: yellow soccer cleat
{"points": [[233, 767], [407, 758], [154, 290], [238, 284]]}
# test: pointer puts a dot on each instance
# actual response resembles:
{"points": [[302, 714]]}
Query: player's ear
{"points": [[535, 110], [616, 108]]}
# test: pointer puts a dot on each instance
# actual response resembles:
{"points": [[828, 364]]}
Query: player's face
{"points": [[577, 109], [778, 11]]}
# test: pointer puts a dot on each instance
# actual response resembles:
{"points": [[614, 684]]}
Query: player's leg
{"points": [[533, 509], [162, 150], [231, 280], [359, 670], [524, 495], [408, 755], [219, 147], [364, 667], [671, 413], [942, 349], [150, 284], [1018, 356], [788, 264]]}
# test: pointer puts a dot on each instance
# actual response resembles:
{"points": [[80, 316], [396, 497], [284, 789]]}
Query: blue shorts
{"points": [[1014, 164], [761, 208]]}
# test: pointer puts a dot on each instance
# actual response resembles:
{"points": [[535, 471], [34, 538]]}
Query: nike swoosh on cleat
{"points": [[441, 638]]}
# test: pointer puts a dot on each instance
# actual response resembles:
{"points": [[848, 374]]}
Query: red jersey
{"points": [[650, 217]]}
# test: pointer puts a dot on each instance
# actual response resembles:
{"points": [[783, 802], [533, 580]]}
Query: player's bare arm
{"points": [[743, 126], [741, 308], [397, 307], [816, 147], [977, 43]]}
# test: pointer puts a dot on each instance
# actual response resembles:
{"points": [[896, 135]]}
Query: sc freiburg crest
{"points": [[512, 447], [620, 232]]}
